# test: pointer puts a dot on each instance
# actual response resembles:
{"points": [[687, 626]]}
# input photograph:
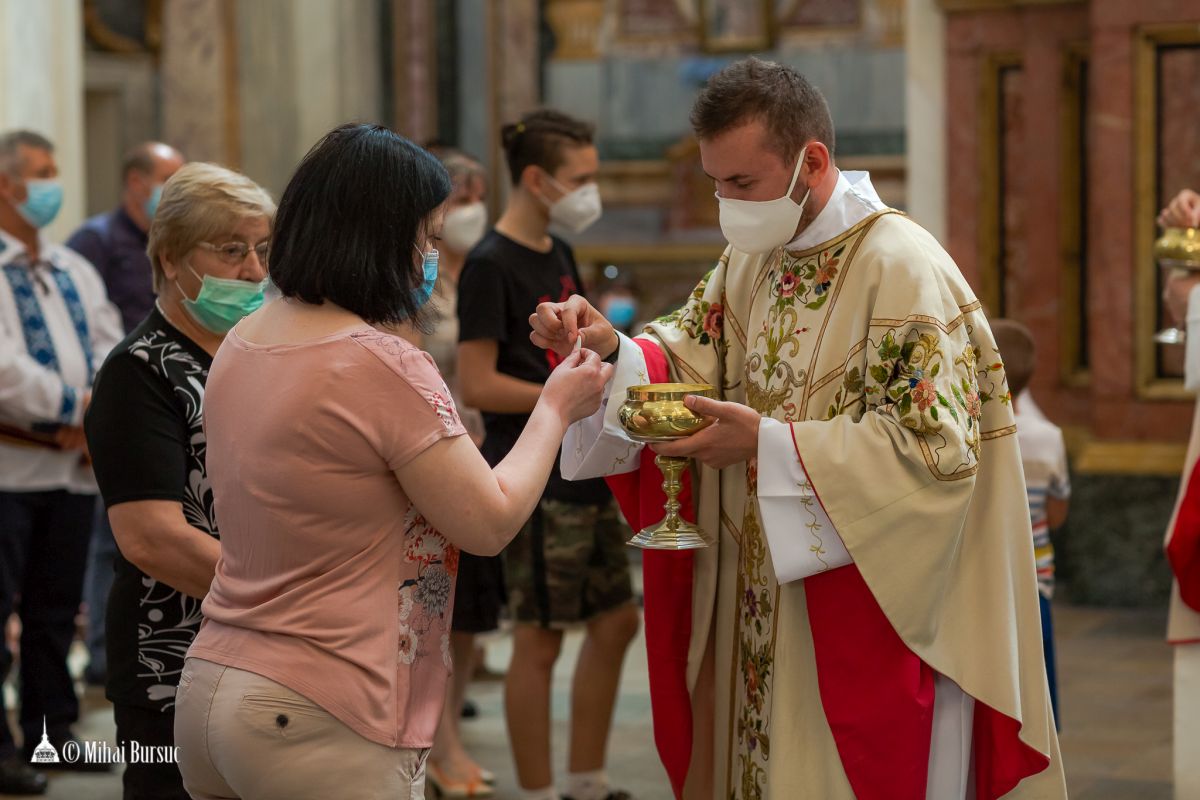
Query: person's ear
{"points": [[533, 179], [138, 182], [170, 267], [12, 188], [817, 161]]}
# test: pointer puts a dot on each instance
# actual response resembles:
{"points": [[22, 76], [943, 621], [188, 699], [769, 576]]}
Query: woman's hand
{"points": [[556, 326], [576, 386]]}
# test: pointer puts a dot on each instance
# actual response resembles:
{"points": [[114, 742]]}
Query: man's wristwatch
{"points": [[611, 358]]}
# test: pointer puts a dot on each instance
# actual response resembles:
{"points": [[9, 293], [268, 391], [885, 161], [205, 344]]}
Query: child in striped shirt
{"points": [[1044, 457]]}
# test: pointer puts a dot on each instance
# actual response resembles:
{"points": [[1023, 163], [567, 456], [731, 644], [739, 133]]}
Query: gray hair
{"points": [[10, 147], [201, 201]]}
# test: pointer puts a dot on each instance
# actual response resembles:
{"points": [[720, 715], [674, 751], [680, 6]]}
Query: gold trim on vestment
{"points": [[864, 227]]}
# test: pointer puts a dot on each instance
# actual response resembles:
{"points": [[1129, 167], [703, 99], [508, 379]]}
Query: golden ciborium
{"points": [[1177, 249], [656, 413]]}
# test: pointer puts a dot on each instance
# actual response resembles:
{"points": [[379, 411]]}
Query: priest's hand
{"points": [[1182, 212], [556, 326], [731, 439]]}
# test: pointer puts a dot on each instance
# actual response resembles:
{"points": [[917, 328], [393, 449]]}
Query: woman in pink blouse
{"points": [[345, 487]]}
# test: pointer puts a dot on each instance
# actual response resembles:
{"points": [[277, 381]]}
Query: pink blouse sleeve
{"points": [[410, 408]]}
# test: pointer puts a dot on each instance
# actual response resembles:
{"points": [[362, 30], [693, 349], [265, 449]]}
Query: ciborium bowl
{"points": [[1178, 249], [656, 412]]}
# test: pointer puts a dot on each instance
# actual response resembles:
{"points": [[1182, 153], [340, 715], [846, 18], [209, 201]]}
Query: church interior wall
{"points": [[1059, 236]]}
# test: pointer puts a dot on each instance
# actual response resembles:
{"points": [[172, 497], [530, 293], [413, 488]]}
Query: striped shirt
{"points": [[1044, 457]]}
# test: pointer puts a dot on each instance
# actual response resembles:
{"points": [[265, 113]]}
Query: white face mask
{"points": [[464, 227], [759, 226], [576, 210]]}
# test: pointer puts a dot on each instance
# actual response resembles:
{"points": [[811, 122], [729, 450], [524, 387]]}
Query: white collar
{"points": [[12, 248], [853, 200]]}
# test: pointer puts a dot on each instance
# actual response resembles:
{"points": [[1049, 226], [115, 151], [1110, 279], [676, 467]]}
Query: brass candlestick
{"points": [[1176, 249], [656, 413]]}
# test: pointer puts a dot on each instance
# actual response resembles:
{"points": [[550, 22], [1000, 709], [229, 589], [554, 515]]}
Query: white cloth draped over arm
{"points": [[597, 446], [799, 534], [1191, 363]]}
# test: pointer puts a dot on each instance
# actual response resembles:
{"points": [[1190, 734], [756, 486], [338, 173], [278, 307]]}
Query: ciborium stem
{"points": [[672, 469]]}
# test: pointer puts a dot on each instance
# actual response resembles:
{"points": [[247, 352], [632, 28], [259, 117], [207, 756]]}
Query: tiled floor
{"points": [[1116, 740]]}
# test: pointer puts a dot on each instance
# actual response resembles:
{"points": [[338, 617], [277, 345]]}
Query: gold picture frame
{"points": [[1147, 41], [991, 198], [736, 26], [1074, 366]]}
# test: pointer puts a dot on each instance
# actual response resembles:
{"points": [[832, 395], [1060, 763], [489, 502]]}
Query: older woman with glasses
{"points": [[208, 248]]}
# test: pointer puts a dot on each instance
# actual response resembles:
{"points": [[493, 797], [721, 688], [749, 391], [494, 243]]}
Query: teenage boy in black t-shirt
{"points": [[568, 565]]}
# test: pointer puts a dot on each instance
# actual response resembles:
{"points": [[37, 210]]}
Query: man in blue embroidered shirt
{"points": [[56, 326], [115, 243]]}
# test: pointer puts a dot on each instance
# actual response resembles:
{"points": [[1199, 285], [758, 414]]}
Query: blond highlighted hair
{"points": [[200, 203]]}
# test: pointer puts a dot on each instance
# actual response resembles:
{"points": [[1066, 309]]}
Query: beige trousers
{"points": [[241, 736]]}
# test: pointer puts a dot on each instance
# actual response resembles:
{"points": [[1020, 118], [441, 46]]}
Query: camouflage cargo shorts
{"points": [[568, 564]]}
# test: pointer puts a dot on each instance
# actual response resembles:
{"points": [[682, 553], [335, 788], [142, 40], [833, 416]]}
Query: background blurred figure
{"points": [[1183, 534], [1047, 481], [56, 327], [568, 565], [146, 430], [480, 586], [115, 243], [619, 304]]}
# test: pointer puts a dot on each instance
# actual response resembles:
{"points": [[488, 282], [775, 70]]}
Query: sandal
{"points": [[444, 787]]}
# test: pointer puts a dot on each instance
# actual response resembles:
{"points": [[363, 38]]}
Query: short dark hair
{"points": [[1017, 352], [794, 111], [349, 220], [539, 138], [12, 141]]}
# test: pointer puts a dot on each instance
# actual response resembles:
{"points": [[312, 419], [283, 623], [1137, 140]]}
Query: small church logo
{"points": [[44, 753]]}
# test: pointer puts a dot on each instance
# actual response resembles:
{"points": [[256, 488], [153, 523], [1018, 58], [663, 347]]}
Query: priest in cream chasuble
{"points": [[865, 622], [869, 605]]}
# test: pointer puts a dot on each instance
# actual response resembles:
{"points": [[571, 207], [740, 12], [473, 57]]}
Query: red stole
{"points": [[876, 693], [1183, 548]]}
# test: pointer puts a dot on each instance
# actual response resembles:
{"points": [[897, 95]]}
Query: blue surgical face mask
{"points": [[422, 293], [621, 311], [42, 205], [151, 205]]}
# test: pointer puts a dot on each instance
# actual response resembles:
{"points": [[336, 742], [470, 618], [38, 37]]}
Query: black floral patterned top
{"points": [[146, 435]]}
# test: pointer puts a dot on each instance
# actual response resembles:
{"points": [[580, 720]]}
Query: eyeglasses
{"points": [[234, 253]]}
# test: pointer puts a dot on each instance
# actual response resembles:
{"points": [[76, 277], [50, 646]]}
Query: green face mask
{"points": [[222, 302]]}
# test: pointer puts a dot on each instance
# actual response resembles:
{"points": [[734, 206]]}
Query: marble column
{"points": [[415, 68], [305, 66], [41, 89], [254, 84], [925, 114], [199, 80], [514, 85]]}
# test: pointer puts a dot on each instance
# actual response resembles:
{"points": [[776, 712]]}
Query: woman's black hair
{"points": [[351, 221]]}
